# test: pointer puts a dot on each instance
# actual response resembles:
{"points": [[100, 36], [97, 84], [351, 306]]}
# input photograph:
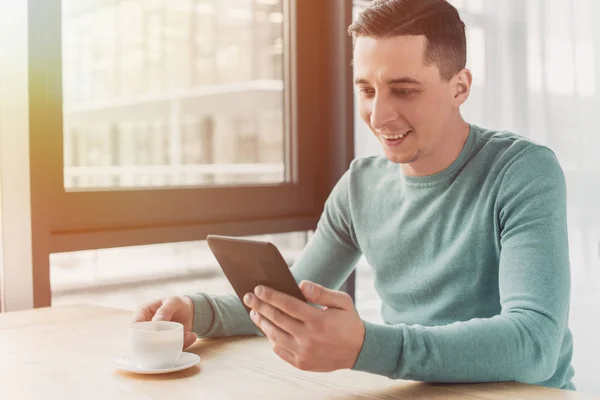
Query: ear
{"points": [[460, 85]]}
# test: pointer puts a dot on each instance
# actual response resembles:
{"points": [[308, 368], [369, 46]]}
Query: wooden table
{"points": [[66, 353]]}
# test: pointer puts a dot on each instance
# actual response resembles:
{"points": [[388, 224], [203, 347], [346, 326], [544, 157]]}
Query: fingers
{"points": [[158, 310], [146, 311], [274, 314], [169, 307], [291, 306], [320, 295], [276, 335]]}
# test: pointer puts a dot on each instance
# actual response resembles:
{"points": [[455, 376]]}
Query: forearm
{"points": [[326, 260], [515, 346], [223, 315]]}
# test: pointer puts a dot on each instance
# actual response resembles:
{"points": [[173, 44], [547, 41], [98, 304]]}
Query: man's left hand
{"points": [[307, 337]]}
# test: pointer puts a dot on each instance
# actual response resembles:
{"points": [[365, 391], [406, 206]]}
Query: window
{"points": [[162, 121]]}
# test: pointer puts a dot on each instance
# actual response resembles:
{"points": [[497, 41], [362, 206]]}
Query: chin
{"points": [[402, 158]]}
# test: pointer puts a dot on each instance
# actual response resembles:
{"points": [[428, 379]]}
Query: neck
{"points": [[444, 154]]}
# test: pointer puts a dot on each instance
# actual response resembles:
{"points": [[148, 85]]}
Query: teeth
{"points": [[394, 137]]}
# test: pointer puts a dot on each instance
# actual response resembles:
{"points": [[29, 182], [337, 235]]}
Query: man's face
{"points": [[405, 103]]}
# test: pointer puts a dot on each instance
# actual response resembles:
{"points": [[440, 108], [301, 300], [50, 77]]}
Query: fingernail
{"points": [[253, 314], [259, 291], [309, 288], [248, 298]]}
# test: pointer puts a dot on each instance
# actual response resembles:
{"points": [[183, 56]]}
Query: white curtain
{"points": [[536, 67]]}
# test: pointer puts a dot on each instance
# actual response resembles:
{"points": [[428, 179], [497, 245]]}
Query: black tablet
{"points": [[250, 263]]}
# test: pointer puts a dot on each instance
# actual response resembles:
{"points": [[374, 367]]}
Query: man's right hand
{"points": [[177, 309]]}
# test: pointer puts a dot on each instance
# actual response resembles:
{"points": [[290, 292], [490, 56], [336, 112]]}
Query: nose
{"points": [[382, 113]]}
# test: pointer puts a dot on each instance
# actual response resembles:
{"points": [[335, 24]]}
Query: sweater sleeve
{"points": [[522, 343], [328, 259]]}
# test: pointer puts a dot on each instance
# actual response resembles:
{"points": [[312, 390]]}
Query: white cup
{"points": [[156, 344]]}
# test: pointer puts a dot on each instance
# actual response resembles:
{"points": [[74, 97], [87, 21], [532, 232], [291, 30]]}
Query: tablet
{"points": [[249, 263]]}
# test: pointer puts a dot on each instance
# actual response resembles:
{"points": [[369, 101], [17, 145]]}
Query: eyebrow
{"points": [[404, 79]]}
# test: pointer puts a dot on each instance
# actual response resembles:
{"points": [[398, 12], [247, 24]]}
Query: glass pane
{"points": [[163, 93], [125, 277]]}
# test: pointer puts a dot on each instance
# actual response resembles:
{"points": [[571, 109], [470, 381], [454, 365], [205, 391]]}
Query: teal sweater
{"points": [[471, 265]]}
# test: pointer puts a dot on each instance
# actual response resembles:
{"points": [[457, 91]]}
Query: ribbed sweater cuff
{"points": [[203, 314], [381, 350]]}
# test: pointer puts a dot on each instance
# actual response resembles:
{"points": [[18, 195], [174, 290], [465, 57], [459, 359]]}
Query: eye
{"points": [[404, 92], [366, 92]]}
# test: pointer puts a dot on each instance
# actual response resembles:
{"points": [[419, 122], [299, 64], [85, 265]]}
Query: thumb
{"points": [[189, 338], [322, 296], [166, 310]]}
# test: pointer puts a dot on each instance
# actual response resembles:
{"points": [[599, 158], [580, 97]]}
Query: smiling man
{"points": [[465, 229]]}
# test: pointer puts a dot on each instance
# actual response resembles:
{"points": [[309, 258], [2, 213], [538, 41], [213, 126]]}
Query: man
{"points": [[465, 229]]}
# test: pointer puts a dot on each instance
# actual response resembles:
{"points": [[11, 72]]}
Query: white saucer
{"points": [[128, 363]]}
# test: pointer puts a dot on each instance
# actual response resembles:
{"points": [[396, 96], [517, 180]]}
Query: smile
{"points": [[394, 137], [394, 140]]}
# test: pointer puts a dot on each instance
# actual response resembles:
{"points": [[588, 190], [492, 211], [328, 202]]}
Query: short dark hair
{"points": [[437, 20]]}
